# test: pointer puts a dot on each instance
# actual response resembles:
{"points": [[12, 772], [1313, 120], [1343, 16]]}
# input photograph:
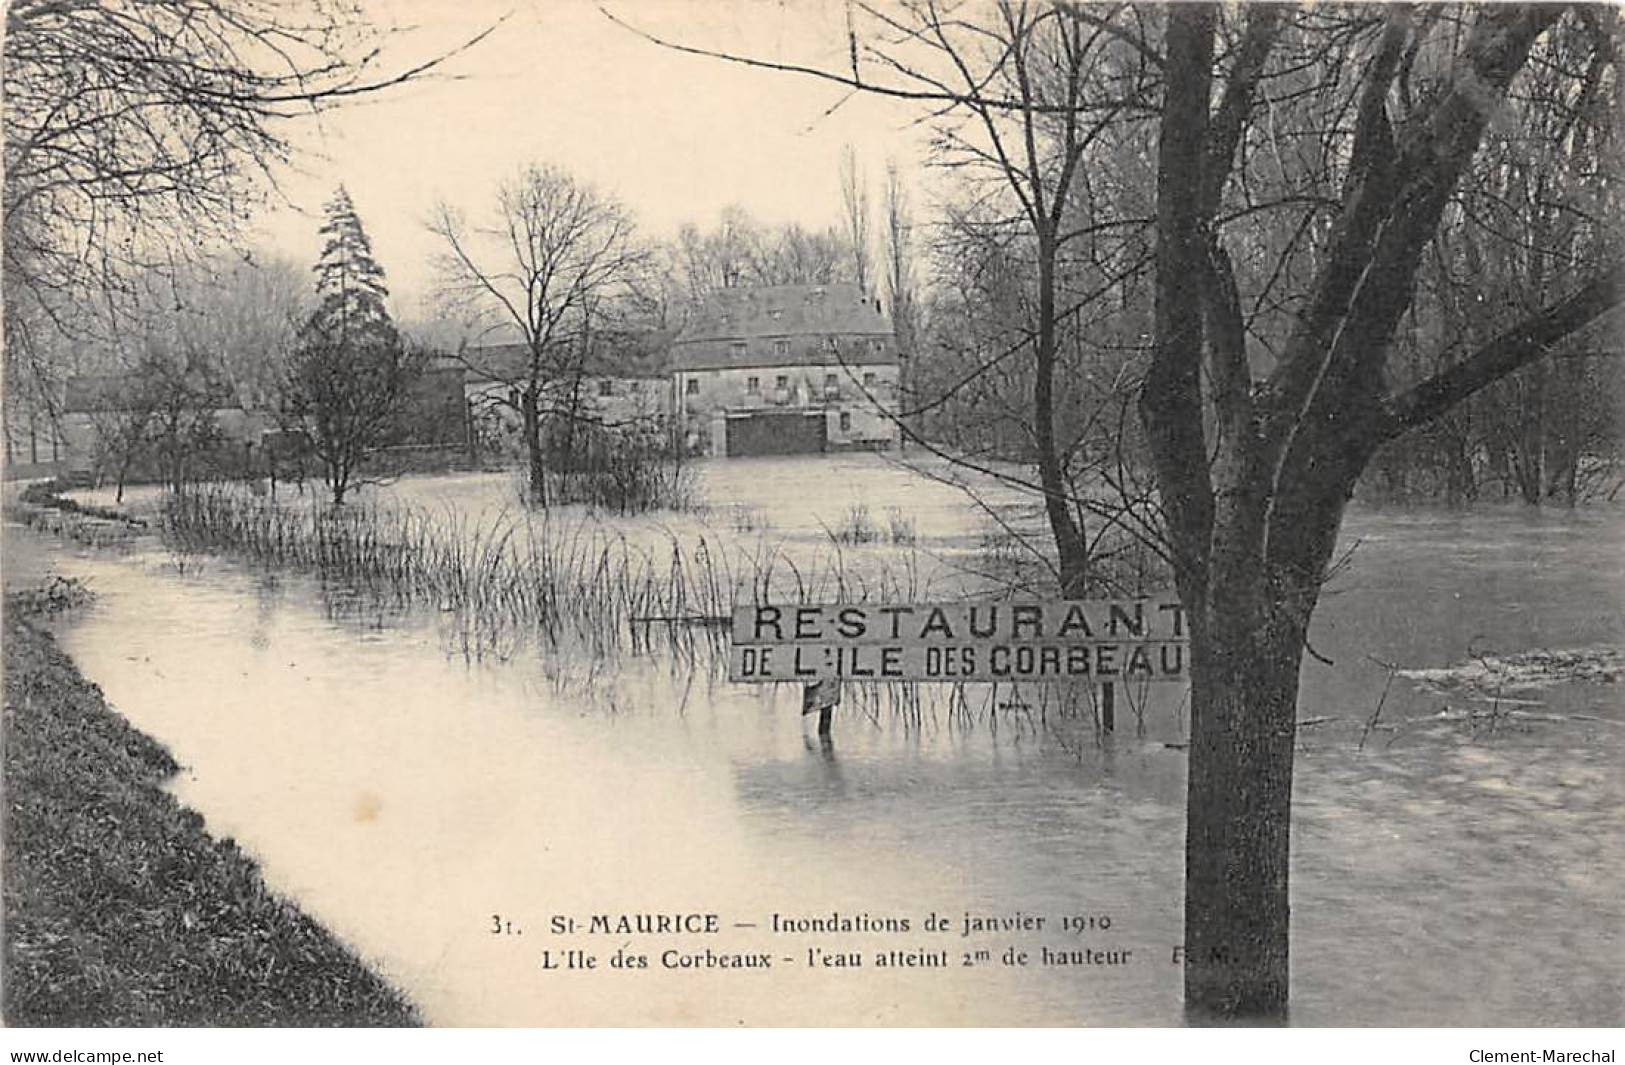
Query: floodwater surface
{"points": [[1456, 861]]}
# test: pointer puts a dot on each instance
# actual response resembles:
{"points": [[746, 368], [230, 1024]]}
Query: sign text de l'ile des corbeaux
{"points": [[1082, 641]]}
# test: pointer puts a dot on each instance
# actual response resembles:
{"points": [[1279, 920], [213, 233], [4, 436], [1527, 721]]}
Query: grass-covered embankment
{"points": [[119, 908], [42, 506]]}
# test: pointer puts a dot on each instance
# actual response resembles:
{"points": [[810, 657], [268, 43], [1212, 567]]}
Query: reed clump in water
{"points": [[589, 591], [622, 471], [567, 579]]}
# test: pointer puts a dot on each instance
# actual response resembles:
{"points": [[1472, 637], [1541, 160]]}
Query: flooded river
{"points": [[1462, 866]]}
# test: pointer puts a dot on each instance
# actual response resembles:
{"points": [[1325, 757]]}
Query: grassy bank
{"points": [[119, 908], [42, 506]]}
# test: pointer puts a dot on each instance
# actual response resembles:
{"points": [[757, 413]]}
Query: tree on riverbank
{"points": [[350, 373], [1304, 161], [554, 260]]}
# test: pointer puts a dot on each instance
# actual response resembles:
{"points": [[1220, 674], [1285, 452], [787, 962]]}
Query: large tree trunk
{"points": [[1270, 556], [1253, 506], [1238, 815]]}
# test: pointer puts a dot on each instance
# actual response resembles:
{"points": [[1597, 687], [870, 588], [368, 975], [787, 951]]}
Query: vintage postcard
{"points": [[827, 513]]}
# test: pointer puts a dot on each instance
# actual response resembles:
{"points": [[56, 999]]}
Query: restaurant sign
{"points": [[1082, 641]]}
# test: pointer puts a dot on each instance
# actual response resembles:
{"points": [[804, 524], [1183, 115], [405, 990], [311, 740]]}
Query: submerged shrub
{"points": [[622, 471], [901, 526], [857, 527]]}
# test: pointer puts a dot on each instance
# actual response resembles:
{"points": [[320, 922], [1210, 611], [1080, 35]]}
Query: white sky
{"points": [[675, 137]]}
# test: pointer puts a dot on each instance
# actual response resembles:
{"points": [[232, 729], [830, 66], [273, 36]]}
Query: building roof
{"points": [[837, 313], [620, 354], [785, 311]]}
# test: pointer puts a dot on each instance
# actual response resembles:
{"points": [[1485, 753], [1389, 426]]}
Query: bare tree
{"points": [[1255, 471], [1019, 97], [245, 312], [555, 251], [855, 216], [792, 255], [720, 258], [900, 288], [135, 132], [743, 251], [154, 413]]}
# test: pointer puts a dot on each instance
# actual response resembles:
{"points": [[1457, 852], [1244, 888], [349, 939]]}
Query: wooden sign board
{"points": [[1078, 641]]}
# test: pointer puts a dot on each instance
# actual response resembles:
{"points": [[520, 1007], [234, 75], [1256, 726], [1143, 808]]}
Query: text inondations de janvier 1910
{"points": [[836, 940]]}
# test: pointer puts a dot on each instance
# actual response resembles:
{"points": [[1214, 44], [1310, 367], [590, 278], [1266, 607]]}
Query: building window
{"points": [[753, 384], [868, 380], [877, 346], [606, 387], [832, 385], [783, 382], [693, 386], [846, 421], [781, 348], [739, 348]]}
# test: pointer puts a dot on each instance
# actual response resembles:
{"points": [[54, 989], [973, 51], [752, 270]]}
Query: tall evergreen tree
{"points": [[349, 281], [350, 373]]}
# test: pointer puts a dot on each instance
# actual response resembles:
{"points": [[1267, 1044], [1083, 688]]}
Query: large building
{"points": [[621, 382], [786, 369]]}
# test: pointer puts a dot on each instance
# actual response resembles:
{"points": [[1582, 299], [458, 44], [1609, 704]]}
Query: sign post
{"points": [[1095, 642], [821, 698]]}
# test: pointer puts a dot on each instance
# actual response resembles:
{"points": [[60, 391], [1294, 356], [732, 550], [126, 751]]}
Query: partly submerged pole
{"points": [[821, 697]]}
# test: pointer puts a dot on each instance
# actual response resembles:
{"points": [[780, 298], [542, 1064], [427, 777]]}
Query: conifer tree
{"points": [[350, 372]]}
